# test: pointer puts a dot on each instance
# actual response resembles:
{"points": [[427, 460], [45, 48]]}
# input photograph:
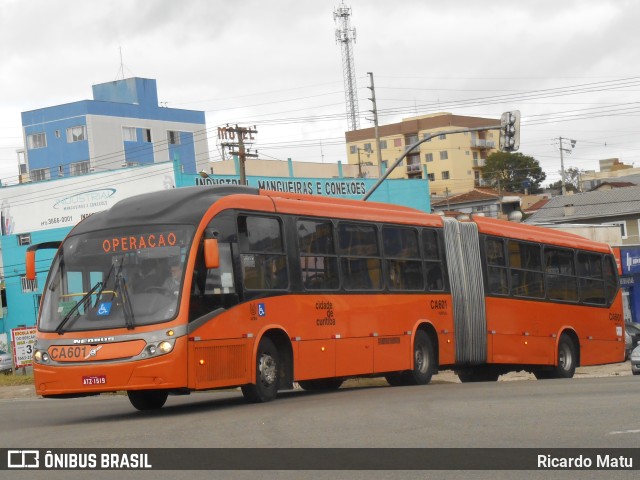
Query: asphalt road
{"points": [[580, 413]]}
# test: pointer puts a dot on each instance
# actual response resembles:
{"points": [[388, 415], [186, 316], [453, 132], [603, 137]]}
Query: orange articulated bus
{"points": [[210, 287]]}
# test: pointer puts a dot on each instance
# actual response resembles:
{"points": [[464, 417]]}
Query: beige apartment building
{"points": [[451, 162]]}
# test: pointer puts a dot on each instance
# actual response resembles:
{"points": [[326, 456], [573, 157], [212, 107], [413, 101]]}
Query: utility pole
{"points": [[240, 134], [375, 123], [562, 176]]}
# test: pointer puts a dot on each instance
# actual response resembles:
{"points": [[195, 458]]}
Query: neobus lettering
{"points": [[123, 244]]}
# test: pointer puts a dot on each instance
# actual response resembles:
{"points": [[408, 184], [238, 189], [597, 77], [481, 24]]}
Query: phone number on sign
{"points": [[56, 220]]}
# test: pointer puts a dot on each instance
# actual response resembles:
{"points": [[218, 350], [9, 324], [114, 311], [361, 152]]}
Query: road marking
{"points": [[622, 432]]}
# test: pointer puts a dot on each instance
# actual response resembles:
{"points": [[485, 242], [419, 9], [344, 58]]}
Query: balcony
{"points": [[414, 168], [482, 143]]}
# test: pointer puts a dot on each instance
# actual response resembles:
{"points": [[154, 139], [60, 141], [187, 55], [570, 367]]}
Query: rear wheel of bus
{"points": [[567, 361], [147, 399], [267, 373], [424, 363]]}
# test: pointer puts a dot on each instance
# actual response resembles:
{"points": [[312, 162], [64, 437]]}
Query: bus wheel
{"points": [[423, 361], [147, 399], [326, 384], [267, 372], [566, 358]]}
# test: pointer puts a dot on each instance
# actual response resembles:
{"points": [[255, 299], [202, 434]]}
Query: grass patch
{"points": [[13, 379]]}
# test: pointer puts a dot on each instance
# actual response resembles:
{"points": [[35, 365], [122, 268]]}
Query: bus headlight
{"points": [[165, 347], [41, 357]]}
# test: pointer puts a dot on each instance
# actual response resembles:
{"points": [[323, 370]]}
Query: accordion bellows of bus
{"points": [[227, 286]]}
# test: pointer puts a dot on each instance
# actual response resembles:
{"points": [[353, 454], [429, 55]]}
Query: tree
{"points": [[513, 172]]}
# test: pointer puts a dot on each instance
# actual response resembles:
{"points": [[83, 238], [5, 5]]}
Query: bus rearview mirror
{"points": [[211, 253], [30, 264]]}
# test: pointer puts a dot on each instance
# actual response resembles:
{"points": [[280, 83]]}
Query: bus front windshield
{"points": [[118, 278]]}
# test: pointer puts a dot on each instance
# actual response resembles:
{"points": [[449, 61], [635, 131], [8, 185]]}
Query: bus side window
{"points": [[262, 256], [497, 274], [212, 288], [361, 263], [432, 260], [318, 260]]}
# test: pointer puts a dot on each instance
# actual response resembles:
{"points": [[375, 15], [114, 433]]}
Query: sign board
{"points": [[412, 193], [23, 340], [630, 259], [64, 202]]}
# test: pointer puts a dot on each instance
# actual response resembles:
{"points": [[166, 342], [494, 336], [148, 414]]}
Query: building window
{"points": [[61, 170], [428, 157], [37, 140], [76, 134], [367, 148], [129, 134], [383, 144], [444, 155], [425, 135], [442, 136], [445, 175], [431, 177], [397, 142], [146, 135], [28, 285], [173, 137], [410, 139], [38, 175], [623, 228], [353, 149], [80, 168], [24, 239], [57, 133]]}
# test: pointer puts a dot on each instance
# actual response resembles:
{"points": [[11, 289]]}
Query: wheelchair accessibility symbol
{"points": [[104, 309], [261, 310]]}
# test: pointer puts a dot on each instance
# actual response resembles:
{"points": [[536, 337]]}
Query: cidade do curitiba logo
{"points": [[88, 199]]}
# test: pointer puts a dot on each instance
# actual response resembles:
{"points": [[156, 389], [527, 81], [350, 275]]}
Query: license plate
{"points": [[94, 380]]}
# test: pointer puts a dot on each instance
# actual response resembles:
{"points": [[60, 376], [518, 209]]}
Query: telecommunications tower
{"points": [[346, 36]]}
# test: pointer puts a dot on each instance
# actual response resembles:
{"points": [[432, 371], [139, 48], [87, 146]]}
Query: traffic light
{"points": [[510, 131]]}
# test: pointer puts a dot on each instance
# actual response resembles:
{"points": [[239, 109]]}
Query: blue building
{"points": [[122, 126]]}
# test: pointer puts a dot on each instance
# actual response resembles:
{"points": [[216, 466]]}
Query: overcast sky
{"points": [[571, 67]]}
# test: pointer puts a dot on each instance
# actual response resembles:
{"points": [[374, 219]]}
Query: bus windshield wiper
{"points": [[84, 298], [127, 307]]}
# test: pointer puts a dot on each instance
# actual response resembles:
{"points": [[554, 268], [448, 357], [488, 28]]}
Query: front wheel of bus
{"points": [[147, 399], [267, 372]]}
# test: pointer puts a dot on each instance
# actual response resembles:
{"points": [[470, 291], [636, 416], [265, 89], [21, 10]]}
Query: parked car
{"points": [[631, 338], [635, 361], [6, 362]]}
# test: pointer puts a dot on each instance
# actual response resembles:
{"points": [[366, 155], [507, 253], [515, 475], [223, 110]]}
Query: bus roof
{"points": [[178, 205], [188, 205], [523, 231]]}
